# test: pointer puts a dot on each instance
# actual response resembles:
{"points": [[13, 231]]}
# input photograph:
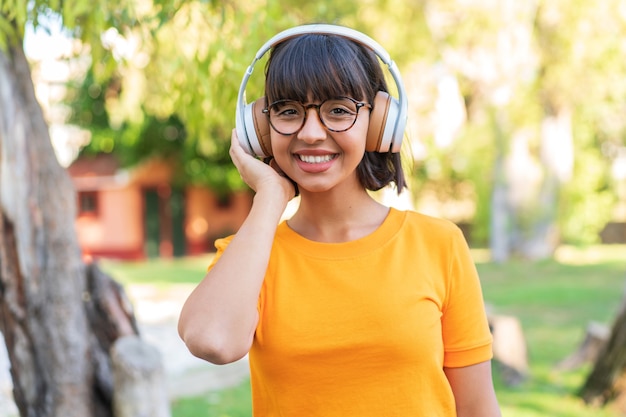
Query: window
{"points": [[224, 201], [87, 203]]}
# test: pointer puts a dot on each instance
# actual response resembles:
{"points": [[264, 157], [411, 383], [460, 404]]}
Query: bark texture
{"points": [[48, 313]]}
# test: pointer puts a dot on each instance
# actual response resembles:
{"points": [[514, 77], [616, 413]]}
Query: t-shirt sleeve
{"points": [[220, 245], [466, 335]]}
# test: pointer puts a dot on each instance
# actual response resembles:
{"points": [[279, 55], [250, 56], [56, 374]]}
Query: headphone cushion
{"points": [[261, 126], [376, 140]]}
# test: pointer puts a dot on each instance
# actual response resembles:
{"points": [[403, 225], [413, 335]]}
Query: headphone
{"points": [[387, 118]]}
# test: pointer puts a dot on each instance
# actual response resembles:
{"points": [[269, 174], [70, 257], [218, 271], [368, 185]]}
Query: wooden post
{"points": [[509, 349], [138, 380]]}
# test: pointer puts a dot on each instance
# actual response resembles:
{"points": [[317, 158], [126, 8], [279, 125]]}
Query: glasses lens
{"points": [[286, 116], [338, 114]]}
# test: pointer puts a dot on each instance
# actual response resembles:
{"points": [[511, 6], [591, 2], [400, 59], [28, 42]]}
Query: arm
{"points": [[473, 391], [218, 320], [467, 337]]}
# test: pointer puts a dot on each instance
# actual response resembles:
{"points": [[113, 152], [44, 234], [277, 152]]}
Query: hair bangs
{"points": [[315, 67]]}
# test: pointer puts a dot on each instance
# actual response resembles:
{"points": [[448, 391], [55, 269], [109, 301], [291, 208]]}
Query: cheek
{"points": [[278, 142], [358, 136], [280, 149]]}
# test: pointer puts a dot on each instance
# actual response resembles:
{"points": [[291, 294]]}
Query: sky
{"points": [[45, 48]]}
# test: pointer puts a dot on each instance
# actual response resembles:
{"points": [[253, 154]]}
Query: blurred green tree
{"points": [[183, 78], [59, 316], [517, 67], [540, 81]]}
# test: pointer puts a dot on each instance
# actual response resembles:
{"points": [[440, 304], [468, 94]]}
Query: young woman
{"points": [[348, 308]]}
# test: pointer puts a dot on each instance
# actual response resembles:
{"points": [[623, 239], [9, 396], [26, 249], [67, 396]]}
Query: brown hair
{"points": [[320, 66]]}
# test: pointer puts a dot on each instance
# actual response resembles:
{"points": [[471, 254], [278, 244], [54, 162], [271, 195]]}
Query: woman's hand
{"points": [[257, 174]]}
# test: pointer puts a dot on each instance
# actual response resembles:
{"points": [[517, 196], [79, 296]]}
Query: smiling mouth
{"points": [[316, 159]]}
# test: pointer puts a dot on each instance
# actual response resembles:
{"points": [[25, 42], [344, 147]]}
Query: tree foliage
{"points": [[193, 80], [519, 66], [164, 77]]}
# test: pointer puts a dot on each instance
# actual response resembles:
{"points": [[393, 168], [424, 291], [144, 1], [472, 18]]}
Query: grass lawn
{"points": [[159, 272], [554, 300], [232, 402]]}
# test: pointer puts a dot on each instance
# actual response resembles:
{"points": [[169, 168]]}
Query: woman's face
{"points": [[317, 159]]}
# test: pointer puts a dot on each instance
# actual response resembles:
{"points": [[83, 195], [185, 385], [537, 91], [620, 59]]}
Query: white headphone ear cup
{"points": [[394, 129], [383, 118], [240, 128]]}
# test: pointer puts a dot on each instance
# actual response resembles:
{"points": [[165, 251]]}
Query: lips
{"points": [[315, 162]]}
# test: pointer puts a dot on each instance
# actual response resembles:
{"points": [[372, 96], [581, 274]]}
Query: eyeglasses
{"points": [[287, 117]]}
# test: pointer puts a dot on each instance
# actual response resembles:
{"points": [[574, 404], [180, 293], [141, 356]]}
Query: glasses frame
{"points": [[359, 105]]}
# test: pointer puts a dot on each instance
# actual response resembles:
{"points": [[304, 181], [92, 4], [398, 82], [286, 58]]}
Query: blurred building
{"points": [[136, 214], [123, 214]]}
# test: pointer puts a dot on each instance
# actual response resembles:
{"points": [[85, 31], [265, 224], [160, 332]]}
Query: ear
{"points": [[378, 122], [261, 125]]}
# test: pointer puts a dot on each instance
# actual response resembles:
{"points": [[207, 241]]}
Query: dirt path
{"points": [[157, 312]]}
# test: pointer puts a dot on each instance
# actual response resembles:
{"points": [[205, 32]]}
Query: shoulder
{"points": [[429, 224], [427, 233]]}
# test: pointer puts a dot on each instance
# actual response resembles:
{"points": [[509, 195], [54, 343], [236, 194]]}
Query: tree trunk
{"points": [[540, 238], [607, 380], [110, 317], [44, 301], [532, 188], [499, 240]]}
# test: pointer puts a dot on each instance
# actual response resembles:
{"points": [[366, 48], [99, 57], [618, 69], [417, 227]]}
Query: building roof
{"points": [[103, 171], [101, 165]]}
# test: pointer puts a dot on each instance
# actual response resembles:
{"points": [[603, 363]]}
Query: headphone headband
{"points": [[324, 29], [394, 139]]}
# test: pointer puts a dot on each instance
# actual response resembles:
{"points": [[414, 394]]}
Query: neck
{"points": [[336, 217]]}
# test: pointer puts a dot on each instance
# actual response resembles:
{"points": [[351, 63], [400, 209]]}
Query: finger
{"points": [[236, 152], [234, 141], [277, 168], [274, 165]]}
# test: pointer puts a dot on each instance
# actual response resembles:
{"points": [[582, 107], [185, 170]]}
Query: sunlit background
{"points": [[516, 132], [516, 127]]}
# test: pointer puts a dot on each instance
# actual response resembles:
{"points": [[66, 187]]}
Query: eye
{"points": [[286, 110], [339, 109]]}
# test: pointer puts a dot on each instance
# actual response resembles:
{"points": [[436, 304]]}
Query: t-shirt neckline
{"points": [[365, 244]]}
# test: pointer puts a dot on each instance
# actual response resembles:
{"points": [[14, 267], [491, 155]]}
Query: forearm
{"points": [[218, 320]]}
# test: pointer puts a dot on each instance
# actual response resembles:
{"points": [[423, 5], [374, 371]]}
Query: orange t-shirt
{"points": [[365, 328]]}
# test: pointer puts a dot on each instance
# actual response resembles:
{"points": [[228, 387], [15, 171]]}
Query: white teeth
{"points": [[315, 159]]}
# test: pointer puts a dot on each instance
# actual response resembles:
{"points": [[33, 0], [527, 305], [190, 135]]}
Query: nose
{"points": [[313, 130]]}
